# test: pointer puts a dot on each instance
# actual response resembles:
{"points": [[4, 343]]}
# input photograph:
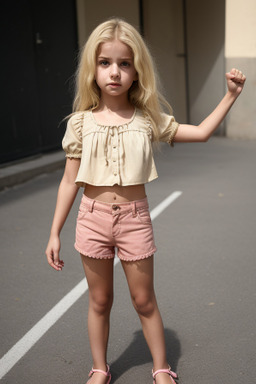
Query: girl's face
{"points": [[115, 71]]}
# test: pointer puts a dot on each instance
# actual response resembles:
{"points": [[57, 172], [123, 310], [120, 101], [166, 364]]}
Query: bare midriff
{"points": [[115, 193]]}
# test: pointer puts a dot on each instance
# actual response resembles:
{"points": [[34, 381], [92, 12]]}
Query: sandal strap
{"points": [[172, 374], [105, 373]]}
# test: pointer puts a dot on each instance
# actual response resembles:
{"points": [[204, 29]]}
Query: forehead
{"points": [[115, 48]]}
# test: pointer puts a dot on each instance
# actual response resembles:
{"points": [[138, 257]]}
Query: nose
{"points": [[114, 71]]}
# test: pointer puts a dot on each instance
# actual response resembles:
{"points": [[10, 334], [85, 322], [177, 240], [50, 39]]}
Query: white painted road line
{"points": [[43, 325], [40, 328], [164, 204]]}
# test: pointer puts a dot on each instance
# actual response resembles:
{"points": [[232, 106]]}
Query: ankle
{"points": [[158, 366], [99, 376], [100, 366], [161, 375]]}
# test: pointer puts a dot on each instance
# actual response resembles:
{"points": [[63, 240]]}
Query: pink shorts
{"points": [[102, 227]]}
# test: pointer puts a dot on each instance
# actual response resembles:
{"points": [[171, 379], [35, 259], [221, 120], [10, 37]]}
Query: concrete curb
{"points": [[28, 169]]}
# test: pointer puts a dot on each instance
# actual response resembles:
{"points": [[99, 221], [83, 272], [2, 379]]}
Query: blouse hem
{"points": [[82, 184]]}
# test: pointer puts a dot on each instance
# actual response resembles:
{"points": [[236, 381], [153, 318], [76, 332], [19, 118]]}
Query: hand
{"points": [[235, 81], [52, 253]]}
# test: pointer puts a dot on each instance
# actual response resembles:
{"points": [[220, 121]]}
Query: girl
{"points": [[117, 115]]}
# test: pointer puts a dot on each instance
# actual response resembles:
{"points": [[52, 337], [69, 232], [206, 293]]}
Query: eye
{"points": [[104, 63], [125, 64]]}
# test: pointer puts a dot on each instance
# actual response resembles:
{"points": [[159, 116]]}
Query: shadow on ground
{"points": [[137, 353]]}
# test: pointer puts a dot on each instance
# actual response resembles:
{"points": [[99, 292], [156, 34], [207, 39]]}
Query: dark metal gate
{"points": [[39, 48]]}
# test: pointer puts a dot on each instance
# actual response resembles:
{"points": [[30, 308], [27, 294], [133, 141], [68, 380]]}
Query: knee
{"points": [[144, 303], [101, 302]]}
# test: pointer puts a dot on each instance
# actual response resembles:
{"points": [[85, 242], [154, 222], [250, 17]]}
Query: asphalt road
{"points": [[204, 275]]}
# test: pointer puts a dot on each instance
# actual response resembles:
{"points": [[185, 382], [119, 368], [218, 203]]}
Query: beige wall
{"points": [[240, 28], [240, 52]]}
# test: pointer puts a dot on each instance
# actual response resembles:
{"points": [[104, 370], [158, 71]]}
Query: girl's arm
{"points": [[66, 195], [202, 132]]}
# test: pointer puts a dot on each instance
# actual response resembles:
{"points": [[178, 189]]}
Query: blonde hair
{"points": [[144, 92]]}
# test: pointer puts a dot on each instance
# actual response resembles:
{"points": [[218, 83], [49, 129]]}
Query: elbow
{"points": [[202, 138], [202, 133], [205, 139], [68, 183], [199, 134]]}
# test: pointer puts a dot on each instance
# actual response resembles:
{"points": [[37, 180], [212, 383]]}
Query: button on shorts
{"points": [[103, 228]]}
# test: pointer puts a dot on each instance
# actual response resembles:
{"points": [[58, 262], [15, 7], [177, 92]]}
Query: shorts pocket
{"points": [[144, 216], [82, 212]]}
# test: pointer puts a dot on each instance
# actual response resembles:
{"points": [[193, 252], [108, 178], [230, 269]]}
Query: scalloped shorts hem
{"points": [[137, 258], [112, 256], [100, 257]]}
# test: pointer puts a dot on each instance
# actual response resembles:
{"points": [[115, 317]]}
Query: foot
{"points": [[97, 376], [164, 376]]}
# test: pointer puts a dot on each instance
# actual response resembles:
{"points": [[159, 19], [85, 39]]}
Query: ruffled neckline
{"points": [[113, 125]]}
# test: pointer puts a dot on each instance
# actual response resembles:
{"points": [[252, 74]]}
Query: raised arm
{"points": [[202, 132], [66, 195]]}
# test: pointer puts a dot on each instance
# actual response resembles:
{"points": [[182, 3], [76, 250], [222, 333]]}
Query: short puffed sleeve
{"points": [[72, 140], [168, 129]]}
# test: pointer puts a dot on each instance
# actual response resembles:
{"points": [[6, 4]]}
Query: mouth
{"points": [[114, 84]]}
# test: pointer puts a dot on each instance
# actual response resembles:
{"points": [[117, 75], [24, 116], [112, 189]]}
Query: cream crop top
{"points": [[114, 154]]}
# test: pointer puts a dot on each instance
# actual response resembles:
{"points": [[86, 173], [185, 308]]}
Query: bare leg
{"points": [[140, 276], [99, 274]]}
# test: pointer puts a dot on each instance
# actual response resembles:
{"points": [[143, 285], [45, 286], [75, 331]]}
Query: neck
{"points": [[115, 104]]}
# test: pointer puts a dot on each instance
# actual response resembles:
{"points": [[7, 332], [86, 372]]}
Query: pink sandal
{"points": [[172, 374], [107, 373]]}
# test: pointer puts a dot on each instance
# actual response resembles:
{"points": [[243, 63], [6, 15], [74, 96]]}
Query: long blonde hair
{"points": [[144, 93]]}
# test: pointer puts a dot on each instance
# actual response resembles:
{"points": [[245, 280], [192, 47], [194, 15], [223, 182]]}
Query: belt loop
{"points": [[134, 212], [91, 204]]}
